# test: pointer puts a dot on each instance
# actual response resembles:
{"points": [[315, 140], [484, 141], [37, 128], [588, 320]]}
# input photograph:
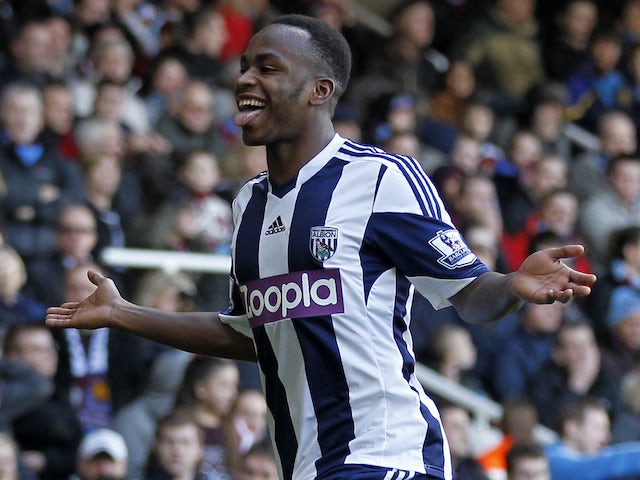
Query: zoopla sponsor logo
{"points": [[293, 295]]}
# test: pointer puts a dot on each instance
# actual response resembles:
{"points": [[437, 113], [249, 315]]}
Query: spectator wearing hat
{"points": [[623, 321], [101, 454]]}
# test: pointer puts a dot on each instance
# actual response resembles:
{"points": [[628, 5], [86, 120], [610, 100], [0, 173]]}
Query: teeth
{"points": [[250, 103]]}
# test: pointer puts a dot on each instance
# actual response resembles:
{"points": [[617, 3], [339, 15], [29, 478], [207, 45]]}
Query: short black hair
{"points": [[622, 237], [330, 48], [523, 450]]}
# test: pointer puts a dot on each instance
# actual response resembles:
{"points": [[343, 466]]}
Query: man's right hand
{"points": [[95, 311]]}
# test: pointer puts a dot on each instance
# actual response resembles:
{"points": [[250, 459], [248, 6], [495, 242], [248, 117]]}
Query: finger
{"points": [[95, 277], [562, 296], [582, 291], [70, 305], [60, 311], [57, 320], [567, 251], [583, 278]]}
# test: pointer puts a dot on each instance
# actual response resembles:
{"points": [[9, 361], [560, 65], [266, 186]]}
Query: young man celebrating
{"points": [[327, 249]]}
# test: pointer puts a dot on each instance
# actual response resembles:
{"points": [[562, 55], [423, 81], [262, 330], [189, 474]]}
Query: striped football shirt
{"points": [[323, 271]]}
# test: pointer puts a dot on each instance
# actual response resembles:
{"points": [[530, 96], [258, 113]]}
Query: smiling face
{"points": [[275, 85]]}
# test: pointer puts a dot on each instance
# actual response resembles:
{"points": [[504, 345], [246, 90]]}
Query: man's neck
{"points": [[285, 159]]}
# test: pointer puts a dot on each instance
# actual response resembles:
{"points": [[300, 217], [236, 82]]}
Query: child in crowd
{"points": [[208, 392], [15, 307], [248, 422], [197, 219], [259, 463]]}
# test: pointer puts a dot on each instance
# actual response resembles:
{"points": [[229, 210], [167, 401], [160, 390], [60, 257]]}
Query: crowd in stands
{"points": [[117, 130]]}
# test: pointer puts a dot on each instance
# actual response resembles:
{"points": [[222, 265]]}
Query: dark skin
{"points": [[294, 122]]}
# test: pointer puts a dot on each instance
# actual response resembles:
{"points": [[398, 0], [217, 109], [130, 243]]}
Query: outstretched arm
{"points": [[542, 278], [197, 332]]}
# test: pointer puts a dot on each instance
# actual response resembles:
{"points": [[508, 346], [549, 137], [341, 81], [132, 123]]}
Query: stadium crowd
{"points": [[116, 129]]}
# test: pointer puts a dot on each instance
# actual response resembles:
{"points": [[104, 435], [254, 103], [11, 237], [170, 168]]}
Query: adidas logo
{"points": [[276, 227]]}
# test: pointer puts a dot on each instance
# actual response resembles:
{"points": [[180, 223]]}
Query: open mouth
{"points": [[248, 109]]}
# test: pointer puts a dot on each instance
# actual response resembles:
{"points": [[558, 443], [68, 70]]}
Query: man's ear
{"points": [[323, 89]]}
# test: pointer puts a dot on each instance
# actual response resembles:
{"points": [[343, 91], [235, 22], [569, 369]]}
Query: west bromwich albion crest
{"points": [[323, 242]]}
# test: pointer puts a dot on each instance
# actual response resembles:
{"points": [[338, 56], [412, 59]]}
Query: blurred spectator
{"points": [[102, 455], [23, 391], [16, 307], [479, 122], [557, 215], [530, 346], [109, 102], [190, 123], [617, 136], [566, 44], [583, 449], [406, 61], [449, 103], [142, 20], [171, 291], [101, 370], [208, 391], [388, 113], [178, 449], [408, 143], [259, 463], [115, 198], [166, 79], [623, 268], [240, 19], [240, 164], [195, 218], [545, 117], [477, 203], [99, 136], [200, 47], [628, 26], [623, 320], [76, 238], [517, 423], [32, 58], [616, 206], [482, 241], [520, 183], [633, 70], [59, 118], [86, 16], [112, 59], [10, 466], [455, 356], [49, 435], [527, 462], [39, 182], [522, 206], [464, 160], [505, 26], [61, 60], [599, 86], [347, 122], [248, 423], [456, 423], [630, 385], [137, 420], [575, 370]]}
